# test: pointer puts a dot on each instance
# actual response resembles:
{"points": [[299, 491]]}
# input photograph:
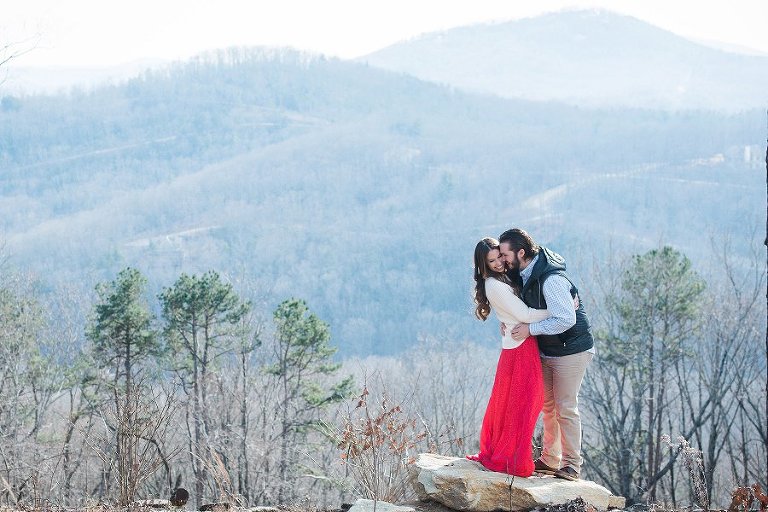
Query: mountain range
{"points": [[358, 189]]}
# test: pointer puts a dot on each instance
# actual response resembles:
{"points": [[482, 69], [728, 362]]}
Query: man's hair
{"points": [[520, 239]]}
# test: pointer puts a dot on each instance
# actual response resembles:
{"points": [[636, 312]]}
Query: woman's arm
{"points": [[504, 300]]}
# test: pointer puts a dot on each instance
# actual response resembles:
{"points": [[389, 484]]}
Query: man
{"points": [[566, 347]]}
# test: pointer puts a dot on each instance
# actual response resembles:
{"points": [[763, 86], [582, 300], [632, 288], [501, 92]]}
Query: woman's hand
{"points": [[520, 332], [576, 302]]}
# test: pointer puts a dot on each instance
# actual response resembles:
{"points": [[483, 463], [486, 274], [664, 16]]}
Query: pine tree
{"points": [[202, 323], [123, 339], [303, 366]]}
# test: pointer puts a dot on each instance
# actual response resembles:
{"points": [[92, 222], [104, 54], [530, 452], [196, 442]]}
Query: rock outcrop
{"points": [[462, 484]]}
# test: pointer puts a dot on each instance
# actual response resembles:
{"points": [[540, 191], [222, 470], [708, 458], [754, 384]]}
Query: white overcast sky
{"points": [[107, 32]]}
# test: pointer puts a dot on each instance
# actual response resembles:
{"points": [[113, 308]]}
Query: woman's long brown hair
{"points": [[483, 247]]}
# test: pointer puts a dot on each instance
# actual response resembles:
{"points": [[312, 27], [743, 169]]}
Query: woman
{"points": [[517, 395]]}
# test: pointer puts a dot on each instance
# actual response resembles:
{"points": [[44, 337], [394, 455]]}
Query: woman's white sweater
{"points": [[510, 309]]}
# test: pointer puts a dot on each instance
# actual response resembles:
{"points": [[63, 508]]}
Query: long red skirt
{"points": [[513, 409]]}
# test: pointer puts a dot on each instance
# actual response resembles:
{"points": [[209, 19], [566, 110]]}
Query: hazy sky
{"points": [[106, 32]]}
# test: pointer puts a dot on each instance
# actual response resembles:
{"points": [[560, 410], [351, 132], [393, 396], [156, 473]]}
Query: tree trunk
{"points": [[283, 461], [244, 485], [766, 303], [651, 450], [197, 462], [66, 464]]}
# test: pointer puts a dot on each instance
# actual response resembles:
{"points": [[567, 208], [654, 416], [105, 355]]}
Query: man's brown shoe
{"points": [[567, 473], [540, 467]]}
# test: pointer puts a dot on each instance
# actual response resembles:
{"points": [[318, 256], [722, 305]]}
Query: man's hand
{"points": [[520, 332]]}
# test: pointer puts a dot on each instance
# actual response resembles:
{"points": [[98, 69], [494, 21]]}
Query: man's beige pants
{"points": [[562, 424]]}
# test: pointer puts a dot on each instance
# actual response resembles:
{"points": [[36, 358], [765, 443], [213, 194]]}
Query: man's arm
{"points": [[557, 293], [560, 304]]}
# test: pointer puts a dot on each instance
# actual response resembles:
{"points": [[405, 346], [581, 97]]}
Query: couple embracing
{"points": [[547, 345]]}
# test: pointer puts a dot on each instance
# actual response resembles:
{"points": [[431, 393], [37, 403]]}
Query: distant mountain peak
{"points": [[587, 57]]}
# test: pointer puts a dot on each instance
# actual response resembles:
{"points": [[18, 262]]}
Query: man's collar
{"points": [[526, 272]]}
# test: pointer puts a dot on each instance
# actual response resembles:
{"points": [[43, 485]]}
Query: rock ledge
{"points": [[461, 484]]}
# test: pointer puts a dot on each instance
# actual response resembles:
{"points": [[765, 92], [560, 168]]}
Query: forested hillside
{"points": [[359, 190]]}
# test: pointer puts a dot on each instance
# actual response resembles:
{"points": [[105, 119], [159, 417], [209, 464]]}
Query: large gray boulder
{"points": [[462, 484]]}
